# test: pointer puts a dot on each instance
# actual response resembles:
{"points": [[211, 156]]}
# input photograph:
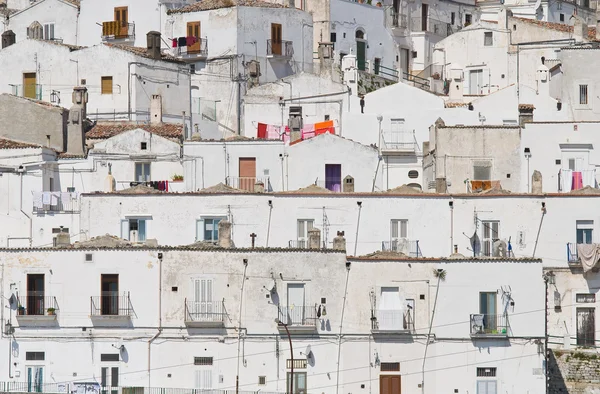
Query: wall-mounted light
{"points": [[527, 152]]}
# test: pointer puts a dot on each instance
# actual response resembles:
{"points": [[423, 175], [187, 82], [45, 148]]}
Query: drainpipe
{"points": [[239, 328], [359, 203], [160, 258], [23, 212], [337, 375]]}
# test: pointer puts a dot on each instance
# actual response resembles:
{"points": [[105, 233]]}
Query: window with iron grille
{"points": [[482, 171], [585, 298], [262, 380], [35, 356], [203, 361], [488, 38], [486, 372], [109, 357], [298, 364], [389, 367], [583, 94]]}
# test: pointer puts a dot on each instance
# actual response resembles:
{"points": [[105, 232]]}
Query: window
{"points": [[583, 94], [389, 367], [414, 54], [144, 146], [399, 233], [134, 230], [89, 258], [585, 231], [452, 18], [467, 19], [482, 171], [490, 230], [207, 229], [109, 377], [377, 65], [106, 85], [333, 37], [49, 31], [304, 225], [487, 386], [488, 38], [333, 177], [202, 305], [203, 361], [487, 308], [510, 122], [142, 172], [299, 382], [262, 380], [35, 356], [486, 372], [413, 174], [586, 327], [585, 298], [122, 16], [562, 17], [109, 357], [297, 311], [58, 230], [326, 118], [298, 363], [36, 31]]}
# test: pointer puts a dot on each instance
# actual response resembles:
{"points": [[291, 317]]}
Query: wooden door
{"points": [[424, 14], [275, 38], [35, 294], [247, 173], [121, 16], [361, 55], [586, 326], [193, 30], [110, 294], [29, 85], [389, 384]]}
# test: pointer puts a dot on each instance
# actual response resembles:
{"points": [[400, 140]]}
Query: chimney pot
{"points": [[153, 45], [314, 238], [62, 239], [8, 38], [225, 234], [156, 109], [339, 242]]}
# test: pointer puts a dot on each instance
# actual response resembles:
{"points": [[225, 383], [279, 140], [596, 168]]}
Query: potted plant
{"points": [[436, 76], [51, 311], [379, 4], [21, 310], [177, 178], [369, 2]]}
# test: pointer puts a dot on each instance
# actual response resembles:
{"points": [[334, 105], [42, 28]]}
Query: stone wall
{"points": [[573, 372]]}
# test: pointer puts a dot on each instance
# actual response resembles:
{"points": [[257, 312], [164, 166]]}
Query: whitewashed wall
{"points": [[62, 14]]}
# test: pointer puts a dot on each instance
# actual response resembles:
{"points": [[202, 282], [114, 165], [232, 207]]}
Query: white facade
{"points": [[547, 11], [150, 341]]}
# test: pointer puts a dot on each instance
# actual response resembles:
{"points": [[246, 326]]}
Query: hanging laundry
{"points": [[181, 42], [273, 132], [54, 196], [46, 198], [261, 131], [566, 180], [65, 197], [37, 200], [589, 178], [577, 180], [190, 41], [174, 42]]}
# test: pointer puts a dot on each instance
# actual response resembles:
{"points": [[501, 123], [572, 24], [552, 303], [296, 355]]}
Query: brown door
{"points": [[193, 30], [35, 294], [121, 16], [29, 85], [275, 38], [389, 384], [424, 14], [109, 300], [247, 173]]}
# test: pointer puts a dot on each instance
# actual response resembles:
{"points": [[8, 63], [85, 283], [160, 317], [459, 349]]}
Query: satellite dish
{"points": [[308, 352]]}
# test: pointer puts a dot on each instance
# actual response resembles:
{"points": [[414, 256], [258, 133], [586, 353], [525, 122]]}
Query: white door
{"points": [[487, 387], [295, 294], [475, 81], [390, 313]]}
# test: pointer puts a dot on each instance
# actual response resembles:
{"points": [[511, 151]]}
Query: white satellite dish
{"points": [[308, 352]]}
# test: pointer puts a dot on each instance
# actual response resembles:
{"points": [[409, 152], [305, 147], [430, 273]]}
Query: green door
{"points": [[361, 50]]}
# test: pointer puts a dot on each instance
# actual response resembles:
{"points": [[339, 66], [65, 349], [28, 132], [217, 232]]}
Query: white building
{"points": [[199, 318], [542, 11]]}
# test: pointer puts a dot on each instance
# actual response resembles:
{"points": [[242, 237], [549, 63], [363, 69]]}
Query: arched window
{"points": [[35, 30], [360, 34], [415, 185]]}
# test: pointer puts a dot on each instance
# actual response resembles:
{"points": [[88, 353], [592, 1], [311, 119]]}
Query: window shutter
{"points": [[200, 230], [394, 229], [207, 379], [198, 379], [47, 32], [52, 31], [141, 230], [125, 229], [403, 228]]}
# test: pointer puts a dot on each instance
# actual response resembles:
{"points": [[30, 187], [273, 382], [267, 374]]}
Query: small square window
{"points": [[488, 39], [174, 288], [35, 356], [323, 300], [262, 380], [106, 85], [144, 146], [89, 258], [558, 161], [414, 54], [193, 68], [422, 296], [326, 117], [562, 18], [333, 37], [203, 361]]}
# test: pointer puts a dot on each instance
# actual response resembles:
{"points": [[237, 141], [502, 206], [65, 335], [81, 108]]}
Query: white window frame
{"points": [[590, 94], [200, 230], [309, 224], [488, 38], [203, 300], [488, 225], [398, 229], [49, 30], [125, 226], [146, 177]]}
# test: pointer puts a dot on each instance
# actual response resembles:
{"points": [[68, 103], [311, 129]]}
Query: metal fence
{"points": [[55, 202], [199, 49], [205, 312], [400, 141], [482, 324], [111, 304], [298, 315], [36, 303], [393, 320], [408, 247], [247, 183], [280, 48], [27, 91], [430, 25]]}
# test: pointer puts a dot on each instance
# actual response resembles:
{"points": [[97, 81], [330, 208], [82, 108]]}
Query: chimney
{"points": [[156, 109], [75, 125], [295, 123], [536, 183], [8, 38], [503, 18], [225, 234], [348, 184], [339, 242], [525, 114], [440, 185], [580, 29], [314, 238], [62, 239], [153, 45]]}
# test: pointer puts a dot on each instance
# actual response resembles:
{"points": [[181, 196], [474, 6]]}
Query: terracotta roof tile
{"points": [[74, 2], [526, 107], [558, 27], [143, 52], [11, 144], [205, 5], [110, 129]]}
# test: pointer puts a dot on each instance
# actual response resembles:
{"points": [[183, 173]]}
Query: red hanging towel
{"points": [[261, 131], [190, 41], [174, 42], [166, 186]]}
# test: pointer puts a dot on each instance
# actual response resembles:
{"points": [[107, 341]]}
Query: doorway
{"points": [[193, 30], [122, 16], [247, 171], [295, 301], [389, 384], [35, 294], [29, 85], [361, 50], [333, 177], [276, 39], [475, 81], [424, 15], [110, 294]]}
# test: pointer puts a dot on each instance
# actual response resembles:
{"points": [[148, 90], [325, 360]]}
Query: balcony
{"points": [[36, 309], [117, 31], [55, 202], [248, 183], [572, 256], [395, 21], [29, 91], [197, 51], [430, 25], [489, 326], [280, 49], [31, 387], [398, 143], [110, 308], [392, 322], [298, 319], [205, 314], [402, 245]]}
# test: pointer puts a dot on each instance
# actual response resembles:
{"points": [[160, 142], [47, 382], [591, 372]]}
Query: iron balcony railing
{"points": [[55, 202], [386, 72], [482, 324], [205, 312], [396, 19], [36, 303], [30, 91], [572, 255], [280, 48], [399, 141], [408, 247], [392, 320], [117, 30], [200, 49], [246, 183], [111, 304], [32, 386], [298, 315], [61, 388], [430, 25]]}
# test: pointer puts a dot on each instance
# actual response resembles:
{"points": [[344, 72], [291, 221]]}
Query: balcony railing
{"points": [[117, 30], [402, 245], [205, 314], [30, 91], [31, 387], [61, 388], [393, 321], [36, 304], [280, 48], [247, 183], [430, 25], [489, 325], [111, 304], [298, 316], [55, 202], [396, 19], [200, 49], [399, 142]]}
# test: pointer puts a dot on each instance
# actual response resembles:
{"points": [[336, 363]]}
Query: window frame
{"points": [[202, 222], [112, 85], [584, 92], [144, 165], [49, 27], [488, 224], [488, 39]]}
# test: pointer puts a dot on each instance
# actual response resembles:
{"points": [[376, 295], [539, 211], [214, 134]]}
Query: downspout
{"points": [[337, 375], [269, 224], [160, 258], [359, 203], [239, 329], [537, 238], [24, 213]]}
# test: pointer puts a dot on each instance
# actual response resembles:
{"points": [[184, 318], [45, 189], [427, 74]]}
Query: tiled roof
{"points": [[10, 144], [110, 129], [205, 5], [559, 27], [74, 2], [143, 52], [476, 126], [526, 107], [6, 11], [71, 47]]}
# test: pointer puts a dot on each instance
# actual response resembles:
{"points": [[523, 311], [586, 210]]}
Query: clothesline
{"points": [[265, 131], [52, 198]]}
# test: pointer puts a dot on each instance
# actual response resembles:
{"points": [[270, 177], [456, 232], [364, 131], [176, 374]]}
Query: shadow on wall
{"points": [[556, 381]]}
